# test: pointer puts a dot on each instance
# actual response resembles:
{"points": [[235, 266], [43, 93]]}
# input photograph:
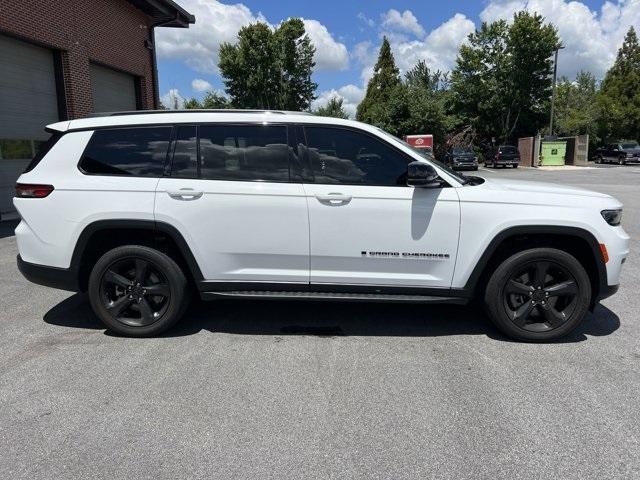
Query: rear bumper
{"points": [[61, 278]]}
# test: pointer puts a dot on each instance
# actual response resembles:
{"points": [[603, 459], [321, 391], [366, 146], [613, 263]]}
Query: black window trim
{"points": [[125, 127]]}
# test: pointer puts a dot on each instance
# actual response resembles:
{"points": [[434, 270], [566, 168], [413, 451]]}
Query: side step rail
{"points": [[333, 296]]}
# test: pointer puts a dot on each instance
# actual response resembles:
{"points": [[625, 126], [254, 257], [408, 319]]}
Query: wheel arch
{"points": [[574, 240], [103, 235]]}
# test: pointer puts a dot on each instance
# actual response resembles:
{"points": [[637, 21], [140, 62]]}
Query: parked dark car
{"points": [[502, 155], [461, 158], [620, 153]]}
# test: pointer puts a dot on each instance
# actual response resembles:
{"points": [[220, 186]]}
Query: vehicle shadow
{"points": [[329, 319], [7, 228]]}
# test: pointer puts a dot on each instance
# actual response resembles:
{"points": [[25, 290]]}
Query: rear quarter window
{"points": [[139, 151], [43, 149]]}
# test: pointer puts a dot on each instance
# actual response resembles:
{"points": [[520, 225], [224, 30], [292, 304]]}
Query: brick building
{"points": [[62, 59]]}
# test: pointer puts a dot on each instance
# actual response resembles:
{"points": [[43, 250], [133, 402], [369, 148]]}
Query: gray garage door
{"points": [[28, 102], [113, 91]]}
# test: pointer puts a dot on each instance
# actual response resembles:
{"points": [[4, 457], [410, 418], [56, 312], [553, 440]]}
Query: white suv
{"points": [[139, 209]]}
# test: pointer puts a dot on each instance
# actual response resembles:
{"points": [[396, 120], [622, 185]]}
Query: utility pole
{"points": [[553, 87]]}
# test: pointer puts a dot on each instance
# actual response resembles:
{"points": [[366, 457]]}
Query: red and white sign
{"points": [[420, 141]]}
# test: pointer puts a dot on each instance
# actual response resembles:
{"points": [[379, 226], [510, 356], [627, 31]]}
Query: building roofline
{"points": [[165, 13]]}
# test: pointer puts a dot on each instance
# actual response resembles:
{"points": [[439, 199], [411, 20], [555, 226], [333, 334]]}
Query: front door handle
{"points": [[185, 194], [334, 198]]}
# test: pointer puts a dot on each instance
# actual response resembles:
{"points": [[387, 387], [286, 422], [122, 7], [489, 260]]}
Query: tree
{"points": [[192, 104], [577, 111], [333, 108], [502, 80], [427, 97], [384, 104], [269, 69], [619, 98]]}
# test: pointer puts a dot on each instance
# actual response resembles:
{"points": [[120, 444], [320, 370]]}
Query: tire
{"points": [[523, 311], [622, 161], [515, 166], [126, 305], [598, 160]]}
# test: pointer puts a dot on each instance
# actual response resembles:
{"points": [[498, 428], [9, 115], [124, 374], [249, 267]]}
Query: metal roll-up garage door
{"points": [[112, 90], [28, 102]]}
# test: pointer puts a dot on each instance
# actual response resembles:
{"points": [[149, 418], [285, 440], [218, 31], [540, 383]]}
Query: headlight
{"points": [[612, 217]]}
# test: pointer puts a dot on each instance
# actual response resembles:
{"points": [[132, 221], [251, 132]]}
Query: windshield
{"points": [[429, 156], [462, 151], [630, 146]]}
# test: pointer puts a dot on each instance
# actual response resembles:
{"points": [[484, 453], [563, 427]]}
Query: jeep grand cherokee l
{"points": [[140, 209]]}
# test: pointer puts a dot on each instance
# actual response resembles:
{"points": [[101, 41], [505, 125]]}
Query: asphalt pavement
{"points": [[292, 390]]}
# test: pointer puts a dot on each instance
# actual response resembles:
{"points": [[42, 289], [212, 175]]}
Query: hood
{"points": [[524, 186]]}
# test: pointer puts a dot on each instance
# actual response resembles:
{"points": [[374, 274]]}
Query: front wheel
{"points": [[538, 294], [622, 161], [137, 291]]}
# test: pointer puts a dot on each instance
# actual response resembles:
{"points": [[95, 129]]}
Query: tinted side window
{"points": [[244, 152], [185, 153], [127, 151], [43, 149], [348, 157]]}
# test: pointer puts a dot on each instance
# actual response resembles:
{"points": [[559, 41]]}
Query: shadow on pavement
{"points": [[7, 228], [329, 319]]}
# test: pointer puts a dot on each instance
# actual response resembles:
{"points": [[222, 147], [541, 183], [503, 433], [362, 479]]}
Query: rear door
{"points": [[229, 193], [369, 228]]}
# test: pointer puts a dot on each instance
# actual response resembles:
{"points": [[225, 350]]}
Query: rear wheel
{"points": [[137, 291], [538, 294]]}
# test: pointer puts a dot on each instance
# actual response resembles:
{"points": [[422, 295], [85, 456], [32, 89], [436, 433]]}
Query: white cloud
{"points": [[330, 54], [591, 38], [172, 100], [351, 96], [439, 48], [403, 22], [200, 85], [369, 22], [198, 46]]}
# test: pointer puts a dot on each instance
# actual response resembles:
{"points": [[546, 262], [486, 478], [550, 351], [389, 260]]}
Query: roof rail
{"points": [[197, 110]]}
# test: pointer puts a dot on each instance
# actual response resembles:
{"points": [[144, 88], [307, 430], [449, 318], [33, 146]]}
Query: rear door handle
{"points": [[334, 198], [185, 194]]}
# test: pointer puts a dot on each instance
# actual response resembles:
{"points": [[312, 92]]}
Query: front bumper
{"points": [[61, 278]]}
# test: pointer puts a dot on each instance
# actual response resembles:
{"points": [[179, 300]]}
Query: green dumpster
{"points": [[552, 153]]}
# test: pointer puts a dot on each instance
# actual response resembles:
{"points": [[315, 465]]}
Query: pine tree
{"points": [[383, 103], [619, 98]]}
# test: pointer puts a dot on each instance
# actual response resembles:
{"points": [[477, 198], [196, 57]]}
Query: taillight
{"points": [[28, 190]]}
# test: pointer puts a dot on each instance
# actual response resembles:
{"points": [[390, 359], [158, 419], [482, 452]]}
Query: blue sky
{"points": [[347, 35]]}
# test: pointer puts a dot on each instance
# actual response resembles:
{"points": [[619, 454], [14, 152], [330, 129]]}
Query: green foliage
{"points": [[502, 81], [211, 100], [427, 102], [576, 107], [333, 108], [384, 104], [619, 98], [269, 69]]}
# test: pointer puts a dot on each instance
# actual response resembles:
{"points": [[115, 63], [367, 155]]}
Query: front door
{"points": [[229, 195], [367, 227]]}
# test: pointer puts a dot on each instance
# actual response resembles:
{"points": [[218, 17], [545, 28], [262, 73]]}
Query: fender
{"points": [[150, 225], [581, 233]]}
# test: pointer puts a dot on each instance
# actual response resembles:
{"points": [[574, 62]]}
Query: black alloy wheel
{"points": [[540, 296], [135, 292], [138, 291]]}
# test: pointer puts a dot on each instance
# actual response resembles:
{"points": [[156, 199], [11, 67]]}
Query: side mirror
{"points": [[420, 174]]}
